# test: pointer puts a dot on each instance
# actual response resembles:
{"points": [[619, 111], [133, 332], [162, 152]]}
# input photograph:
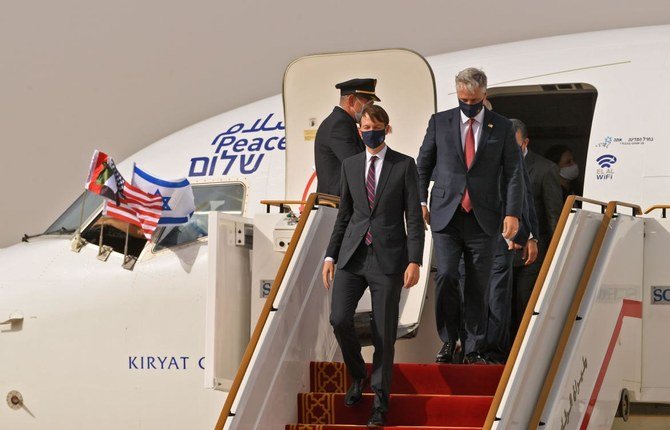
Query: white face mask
{"points": [[359, 114], [570, 172]]}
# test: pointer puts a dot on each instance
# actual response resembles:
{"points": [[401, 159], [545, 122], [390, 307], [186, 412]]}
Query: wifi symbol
{"points": [[606, 161]]}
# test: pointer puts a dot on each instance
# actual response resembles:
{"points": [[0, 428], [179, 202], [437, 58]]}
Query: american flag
{"points": [[120, 182], [137, 208]]}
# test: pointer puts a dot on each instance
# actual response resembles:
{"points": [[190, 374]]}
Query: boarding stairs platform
{"points": [[425, 396], [591, 343]]}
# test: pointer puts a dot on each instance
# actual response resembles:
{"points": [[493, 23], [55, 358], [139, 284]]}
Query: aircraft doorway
{"points": [[557, 116]]}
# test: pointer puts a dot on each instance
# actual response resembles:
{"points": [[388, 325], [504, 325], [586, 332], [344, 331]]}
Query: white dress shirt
{"points": [[476, 130], [379, 162]]}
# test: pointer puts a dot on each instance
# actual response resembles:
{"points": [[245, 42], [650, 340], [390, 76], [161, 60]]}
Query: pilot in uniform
{"points": [[337, 137]]}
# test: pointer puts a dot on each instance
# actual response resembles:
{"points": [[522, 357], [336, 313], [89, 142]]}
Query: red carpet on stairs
{"points": [[423, 397]]}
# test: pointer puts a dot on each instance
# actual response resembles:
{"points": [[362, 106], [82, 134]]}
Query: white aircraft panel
{"points": [[228, 301], [655, 301]]}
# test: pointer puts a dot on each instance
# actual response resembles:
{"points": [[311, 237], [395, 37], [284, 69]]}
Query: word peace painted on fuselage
{"points": [[238, 152]]}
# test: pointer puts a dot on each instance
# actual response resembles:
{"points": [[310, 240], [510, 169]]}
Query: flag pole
{"points": [[78, 242], [102, 227], [125, 248], [81, 214]]}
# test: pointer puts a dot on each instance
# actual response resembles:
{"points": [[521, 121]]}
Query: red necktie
{"points": [[370, 186], [469, 157]]}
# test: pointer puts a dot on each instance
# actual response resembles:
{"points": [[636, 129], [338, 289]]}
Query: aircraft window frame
{"points": [[159, 232], [74, 209], [579, 144]]}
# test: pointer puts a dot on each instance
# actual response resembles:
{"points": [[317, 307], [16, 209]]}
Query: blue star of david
{"points": [[166, 200]]}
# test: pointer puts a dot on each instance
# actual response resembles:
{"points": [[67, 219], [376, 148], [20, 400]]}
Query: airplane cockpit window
{"points": [[227, 198], [69, 221]]}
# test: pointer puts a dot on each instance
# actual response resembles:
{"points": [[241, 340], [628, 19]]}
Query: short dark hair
{"points": [[376, 113], [517, 124]]}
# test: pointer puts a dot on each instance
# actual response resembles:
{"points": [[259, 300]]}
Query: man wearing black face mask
{"points": [[465, 151], [337, 137], [369, 244]]}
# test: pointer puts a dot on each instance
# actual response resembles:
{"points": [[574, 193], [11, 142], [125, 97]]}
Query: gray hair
{"points": [[471, 78], [518, 125]]}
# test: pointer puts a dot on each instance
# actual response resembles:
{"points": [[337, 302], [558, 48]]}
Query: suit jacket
{"points": [[336, 139], [498, 156], [396, 200], [546, 190]]}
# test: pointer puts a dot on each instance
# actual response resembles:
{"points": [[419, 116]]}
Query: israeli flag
{"points": [[178, 202]]}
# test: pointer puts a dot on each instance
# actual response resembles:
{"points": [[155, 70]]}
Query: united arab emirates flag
{"points": [[103, 178]]}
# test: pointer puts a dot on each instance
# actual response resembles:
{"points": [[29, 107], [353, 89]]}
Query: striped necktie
{"points": [[370, 186]]}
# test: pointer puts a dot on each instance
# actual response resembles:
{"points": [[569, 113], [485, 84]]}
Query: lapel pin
{"points": [[490, 125]]}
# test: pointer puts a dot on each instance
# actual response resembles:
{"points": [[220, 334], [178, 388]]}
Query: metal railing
{"points": [[609, 210], [310, 205]]}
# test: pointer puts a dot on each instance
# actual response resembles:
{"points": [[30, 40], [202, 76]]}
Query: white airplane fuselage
{"points": [[107, 348]]}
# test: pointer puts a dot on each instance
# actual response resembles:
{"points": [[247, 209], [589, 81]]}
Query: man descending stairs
{"points": [[424, 396]]}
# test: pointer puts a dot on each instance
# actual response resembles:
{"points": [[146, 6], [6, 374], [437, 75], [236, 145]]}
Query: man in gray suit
{"points": [[370, 246], [548, 198], [466, 150]]}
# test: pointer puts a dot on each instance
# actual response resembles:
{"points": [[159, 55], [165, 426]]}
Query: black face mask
{"points": [[470, 110], [373, 138]]}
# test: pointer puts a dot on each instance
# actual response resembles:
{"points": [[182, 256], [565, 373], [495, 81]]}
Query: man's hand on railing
{"points": [[327, 273], [411, 275]]}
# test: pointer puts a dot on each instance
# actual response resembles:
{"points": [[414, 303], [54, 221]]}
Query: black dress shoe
{"points": [[474, 358], [355, 392], [446, 354], [377, 418]]}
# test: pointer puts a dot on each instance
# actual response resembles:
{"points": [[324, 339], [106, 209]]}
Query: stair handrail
{"points": [[281, 204], [313, 200], [532, 301], [610, 211], [663, 208], [636, 209]]}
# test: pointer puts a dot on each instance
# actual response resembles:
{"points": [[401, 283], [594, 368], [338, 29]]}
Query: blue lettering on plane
{"points": [[660, 295], [160, 362], [236, 153]]}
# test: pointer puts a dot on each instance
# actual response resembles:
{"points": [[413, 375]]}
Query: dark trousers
{"points": [[348, 287], [500, 303], [523, 283], [463, 237]]}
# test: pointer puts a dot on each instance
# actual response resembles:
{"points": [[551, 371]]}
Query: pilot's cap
{"points": [[363, 87]]}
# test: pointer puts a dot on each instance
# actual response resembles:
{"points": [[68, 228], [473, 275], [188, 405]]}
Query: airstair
{"points": [[590, 344]]}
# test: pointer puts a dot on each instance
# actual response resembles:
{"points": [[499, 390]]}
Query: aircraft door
{"points": [[406, 87]]}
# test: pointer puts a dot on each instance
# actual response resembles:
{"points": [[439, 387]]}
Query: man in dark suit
{"points": [[548, 198], [337, 137], [466, 151], [371, 248], [501, 285]]}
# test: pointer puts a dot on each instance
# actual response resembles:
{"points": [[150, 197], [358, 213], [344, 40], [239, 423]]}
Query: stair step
{"points": [[410, 378], [355, 427], [404, 410]]}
